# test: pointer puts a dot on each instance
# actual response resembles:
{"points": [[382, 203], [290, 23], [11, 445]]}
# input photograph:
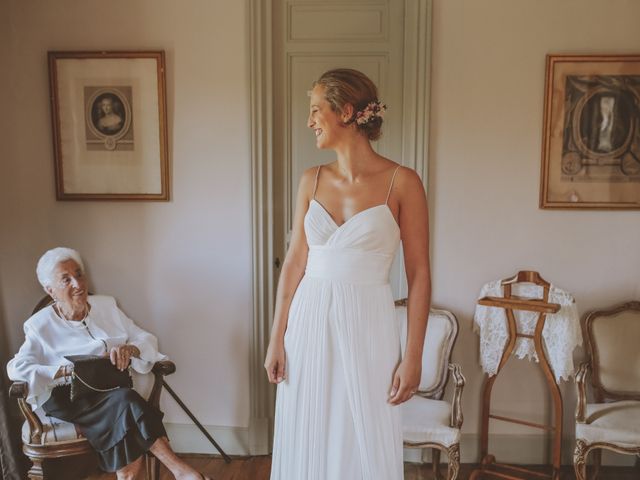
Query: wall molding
{"points": [[187, 438], [261, 392]]}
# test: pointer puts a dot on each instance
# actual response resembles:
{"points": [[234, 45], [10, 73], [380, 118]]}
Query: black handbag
{"points": [[96, 374]]}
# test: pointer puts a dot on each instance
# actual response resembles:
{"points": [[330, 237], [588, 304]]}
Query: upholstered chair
{"points": [[46, 437], [428, 421], [612, 420]]}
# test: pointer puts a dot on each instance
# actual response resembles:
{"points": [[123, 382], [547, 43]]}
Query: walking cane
{"points": [[226, 457]]}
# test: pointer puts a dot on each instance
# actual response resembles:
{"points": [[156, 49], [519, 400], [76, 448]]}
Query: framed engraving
{"points": [[109, 125], [591, 134]]}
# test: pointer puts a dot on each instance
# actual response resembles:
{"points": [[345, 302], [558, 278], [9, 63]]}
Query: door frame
{"points": [[415, 154]]}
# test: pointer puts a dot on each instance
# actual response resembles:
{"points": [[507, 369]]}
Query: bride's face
{"points": [[327, 125]]}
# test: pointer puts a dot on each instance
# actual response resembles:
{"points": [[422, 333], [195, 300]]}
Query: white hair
{"points": [[50, 260]]}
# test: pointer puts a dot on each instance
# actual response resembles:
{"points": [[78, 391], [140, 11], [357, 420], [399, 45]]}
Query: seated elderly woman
{"points": [[119, 424]]}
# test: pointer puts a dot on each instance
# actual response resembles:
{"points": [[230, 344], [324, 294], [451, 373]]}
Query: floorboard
{"points": [[257, 468]]}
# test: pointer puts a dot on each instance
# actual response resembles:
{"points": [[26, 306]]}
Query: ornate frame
{"points": [[116, 154], [590, 150]]}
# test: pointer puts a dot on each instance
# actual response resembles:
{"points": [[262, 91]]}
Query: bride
{"points": [[335, 348]]}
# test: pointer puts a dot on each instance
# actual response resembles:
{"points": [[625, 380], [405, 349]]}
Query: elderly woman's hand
{"points": [[121, 355]]}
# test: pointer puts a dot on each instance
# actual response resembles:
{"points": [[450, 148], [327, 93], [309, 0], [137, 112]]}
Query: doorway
{"points": [[292, 43]]}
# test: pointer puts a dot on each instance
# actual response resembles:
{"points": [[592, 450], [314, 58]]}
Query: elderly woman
{"points": [[119, 424]]}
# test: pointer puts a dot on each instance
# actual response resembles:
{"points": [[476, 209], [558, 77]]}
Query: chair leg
{"points": [[156, 469], [597, 461], [153, 467], [435, 463], [36, 472], [454, 461], [580, 460]]}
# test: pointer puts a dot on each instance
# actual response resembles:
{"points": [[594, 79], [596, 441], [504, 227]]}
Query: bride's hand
{"points": [[406, 380], [274, 363]]}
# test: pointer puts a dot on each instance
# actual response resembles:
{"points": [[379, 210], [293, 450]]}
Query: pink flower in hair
{"points": [[372, 110]]}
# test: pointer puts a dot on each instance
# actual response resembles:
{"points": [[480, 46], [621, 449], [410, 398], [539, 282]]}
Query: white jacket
{"points": [[48, 338]]}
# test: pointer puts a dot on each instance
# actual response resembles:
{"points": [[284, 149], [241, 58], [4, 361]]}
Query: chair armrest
{"points": [[456, 403], [20, 390], [164, 368], [581, 385], [160, 370]]}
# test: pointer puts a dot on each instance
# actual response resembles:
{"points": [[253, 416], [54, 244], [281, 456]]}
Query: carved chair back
{"points": [[442, 331], [44, 302], [612, 339]]}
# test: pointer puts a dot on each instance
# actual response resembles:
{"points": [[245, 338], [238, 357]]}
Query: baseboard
{"points": [[519, 449], [259, 436], [187, 438]]}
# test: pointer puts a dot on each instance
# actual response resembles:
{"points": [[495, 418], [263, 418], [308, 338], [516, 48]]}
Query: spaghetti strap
{"points": [[315, 185], [386, 202]]}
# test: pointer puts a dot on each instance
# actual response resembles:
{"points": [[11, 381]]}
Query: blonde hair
{"points": [[344, 86]]}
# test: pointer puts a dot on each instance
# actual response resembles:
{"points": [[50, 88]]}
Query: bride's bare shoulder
{"points": [[308, 181], [408, 181]]}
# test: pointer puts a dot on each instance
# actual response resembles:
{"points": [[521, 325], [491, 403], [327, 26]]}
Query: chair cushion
{"points": [[54, 430], [425, 420], [616, 422]]}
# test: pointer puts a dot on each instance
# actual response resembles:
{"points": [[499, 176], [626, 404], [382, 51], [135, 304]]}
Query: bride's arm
{"points": [[414, 230], [292, 272]]}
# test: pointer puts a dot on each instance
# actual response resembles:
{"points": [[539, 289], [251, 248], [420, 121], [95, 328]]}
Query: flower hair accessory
{"points": [[372, 110]]}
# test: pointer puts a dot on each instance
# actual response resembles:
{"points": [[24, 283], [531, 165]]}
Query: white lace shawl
{"points": [[561, 333]]}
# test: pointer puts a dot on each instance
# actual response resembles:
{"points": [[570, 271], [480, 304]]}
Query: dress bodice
{"points": [[360, 250]]}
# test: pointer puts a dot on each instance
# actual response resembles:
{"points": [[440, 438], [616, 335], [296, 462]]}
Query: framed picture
{"points": [[591, 139], [109, 120]]}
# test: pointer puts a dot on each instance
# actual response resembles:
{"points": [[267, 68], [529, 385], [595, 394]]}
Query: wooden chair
{"points": [[46, 438], [427, 420], [612, 422]]}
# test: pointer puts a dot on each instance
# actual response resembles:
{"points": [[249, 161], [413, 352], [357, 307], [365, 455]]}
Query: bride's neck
{"points": [[354, 159]]}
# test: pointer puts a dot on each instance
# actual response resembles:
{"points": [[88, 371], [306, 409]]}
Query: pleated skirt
{"points": [[120, 425], [333, 420]]}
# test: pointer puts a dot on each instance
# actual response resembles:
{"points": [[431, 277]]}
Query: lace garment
{"points": [[561, 333]]}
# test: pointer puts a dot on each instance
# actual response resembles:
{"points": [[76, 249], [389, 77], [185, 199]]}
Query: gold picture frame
{"points": [[109, 121], [591, 132]]}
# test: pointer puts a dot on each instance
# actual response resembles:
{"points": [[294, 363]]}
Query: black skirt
{"points": [[120, 425]]}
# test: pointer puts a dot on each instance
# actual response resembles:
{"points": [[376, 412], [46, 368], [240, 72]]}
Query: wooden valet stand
{"points": [[489, 468]]}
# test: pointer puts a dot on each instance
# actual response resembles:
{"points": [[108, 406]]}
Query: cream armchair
{"points": [[612, 422], [427, 420]]}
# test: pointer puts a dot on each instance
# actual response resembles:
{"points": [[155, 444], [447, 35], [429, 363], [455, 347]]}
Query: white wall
{"points": [[181, 269], [487, 106]]}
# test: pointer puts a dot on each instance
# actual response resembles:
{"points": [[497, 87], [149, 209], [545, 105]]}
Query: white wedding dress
{"points": [[333, 421]]}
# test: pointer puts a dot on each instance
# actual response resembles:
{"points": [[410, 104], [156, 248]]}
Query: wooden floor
{"points": [[257, 468]]}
